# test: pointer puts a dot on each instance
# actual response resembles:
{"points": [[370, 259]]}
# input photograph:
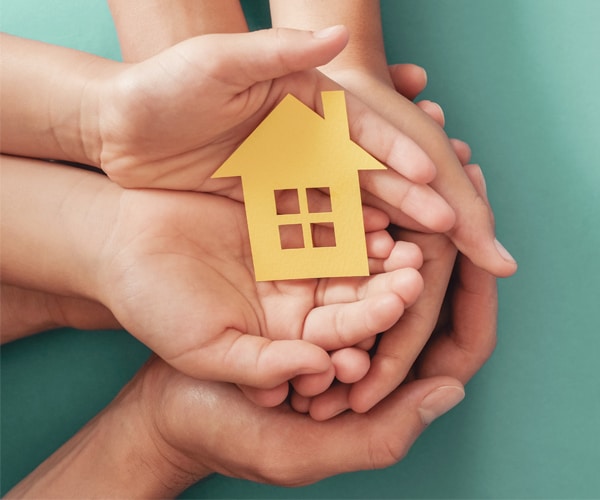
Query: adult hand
{"points": [[166, 431], [420, 345], [473, 231]]}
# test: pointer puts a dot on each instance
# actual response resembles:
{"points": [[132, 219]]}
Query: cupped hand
{"points": [[450, 330], [390, 95], [172, 120], [202, 427], [177, 273]]}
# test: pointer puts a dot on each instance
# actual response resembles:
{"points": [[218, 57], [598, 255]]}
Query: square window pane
{"points": [[290, 236], [323, 234], [319, 200], [286, 201]]}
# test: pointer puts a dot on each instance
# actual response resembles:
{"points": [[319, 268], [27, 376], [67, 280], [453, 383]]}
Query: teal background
{"points": [[519, 81]]}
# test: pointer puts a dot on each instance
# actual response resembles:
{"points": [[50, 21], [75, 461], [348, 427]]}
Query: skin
{"points": [[146, 431], [362, 67], [143, 446], [150, 257], [107, 115]]}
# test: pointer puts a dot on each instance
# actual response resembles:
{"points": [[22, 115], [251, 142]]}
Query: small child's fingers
{"points": [[366, 344], [330, 403], [403, 255], [374, 219], [266, 397], [311, 385], [405, 282], [462, 150], [379, 244], [251, 360], [299, 403], [342, 325], [388, 144], [351, 364]]}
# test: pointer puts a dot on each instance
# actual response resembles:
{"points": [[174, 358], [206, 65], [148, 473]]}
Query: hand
{"points": [[165, 431], [277, 445], [170, 121], [193, 299], [473, 231], [400, 346], [463, 338]]}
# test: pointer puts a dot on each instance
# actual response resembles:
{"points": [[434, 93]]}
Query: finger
{"points": [[470, 340], [399, 347], [350, 442], [374, 219], [266, 397], [388, 144], [463, 153], [299, 403], [251, 360], [379, 244], [462, 150], [408, 79], [367, 344], [342, 325], [434, 110], [311, 385], [473, 231], [330, 403], [404, 254], [407, 283], [351, 364], [263, 55], [419, 202]]}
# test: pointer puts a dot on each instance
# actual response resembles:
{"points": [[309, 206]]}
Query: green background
{"points": [[519, 81]]}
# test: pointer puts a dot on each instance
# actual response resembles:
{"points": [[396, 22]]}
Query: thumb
{"points": [[383, 436], [401, 418], [247, 58], [251, 360]]}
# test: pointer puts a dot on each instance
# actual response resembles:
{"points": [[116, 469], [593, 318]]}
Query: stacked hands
{"points": [[160, 249]]}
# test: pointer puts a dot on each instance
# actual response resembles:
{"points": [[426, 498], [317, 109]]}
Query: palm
{"points": [[193, 299], [188, 134]]}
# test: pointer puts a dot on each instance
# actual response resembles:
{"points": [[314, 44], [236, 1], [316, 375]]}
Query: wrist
{"points": [[77, 127], [114, 456]]}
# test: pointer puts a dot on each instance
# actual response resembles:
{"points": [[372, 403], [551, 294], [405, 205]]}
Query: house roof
{"points": [[296, 143]]}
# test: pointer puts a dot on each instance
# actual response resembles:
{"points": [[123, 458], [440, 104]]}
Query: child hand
{"points": [[172, 120]]}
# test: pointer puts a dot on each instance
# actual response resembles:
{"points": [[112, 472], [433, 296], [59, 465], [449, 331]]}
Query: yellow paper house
{"points": [[301, 191]]}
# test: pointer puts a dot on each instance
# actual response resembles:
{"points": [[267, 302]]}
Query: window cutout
{"points": [[323, 234], [319, 200], [287, 202], [290, 236]]}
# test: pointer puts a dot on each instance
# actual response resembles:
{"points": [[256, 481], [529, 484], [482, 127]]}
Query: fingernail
{"points": [[440, 110], [440, 401], [482, 182], [424, 74], [504, 252], [327, 32]]}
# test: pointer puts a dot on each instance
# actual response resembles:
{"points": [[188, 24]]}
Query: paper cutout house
{"points": [[301, 191]]}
